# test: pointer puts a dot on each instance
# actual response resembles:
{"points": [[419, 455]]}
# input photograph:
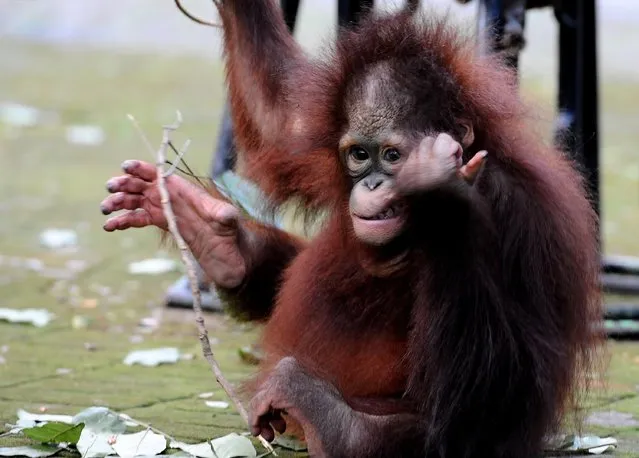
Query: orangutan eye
{"points": [[391, 155], [358, 153]]}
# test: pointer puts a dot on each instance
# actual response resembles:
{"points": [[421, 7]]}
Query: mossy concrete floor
{"points": [[47, 182]]}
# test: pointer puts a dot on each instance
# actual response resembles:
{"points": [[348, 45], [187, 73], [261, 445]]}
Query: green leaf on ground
{"points": [[55, 432]]}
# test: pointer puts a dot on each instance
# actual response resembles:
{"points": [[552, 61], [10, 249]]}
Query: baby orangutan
{"points": [[446, 307]]}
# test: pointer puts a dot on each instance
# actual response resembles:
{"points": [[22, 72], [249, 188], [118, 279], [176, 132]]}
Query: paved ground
{"points": [[45, 182]]}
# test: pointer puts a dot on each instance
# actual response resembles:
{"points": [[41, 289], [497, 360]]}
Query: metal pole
{"points": [[506, 20], [349, 11], [578, 124], [587, 119], [579, 128], [290, 9], [565, 128]]}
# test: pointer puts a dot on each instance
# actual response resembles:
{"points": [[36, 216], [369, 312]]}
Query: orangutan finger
{"points": [[473, 167], [137, 218], [121, 201], [278, 423], [259, 406], [266, 431], [445, 146], [127, 183], [140, 169]]}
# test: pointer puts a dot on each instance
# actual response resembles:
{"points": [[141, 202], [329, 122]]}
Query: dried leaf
{"points": [[217, 404], [230, 446], [36, 317], [233, 446], [584, 444], [58, 238], [35, 451], [19, 115], [202, 450], [26, 418], [143, 443], [101, 420], [29, 420], [86, 135], [94, 445], [153, 357], [55, 432], [175, 455]]}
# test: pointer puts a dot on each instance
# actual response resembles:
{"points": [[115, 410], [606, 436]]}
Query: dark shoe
{"points": [[179, 295]]}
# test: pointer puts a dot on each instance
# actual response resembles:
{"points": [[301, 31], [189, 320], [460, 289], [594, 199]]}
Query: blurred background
{"points": [[90, 62], [70, 72]]}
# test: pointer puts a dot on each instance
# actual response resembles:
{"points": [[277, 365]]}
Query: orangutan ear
{"points": [[468, 135]]}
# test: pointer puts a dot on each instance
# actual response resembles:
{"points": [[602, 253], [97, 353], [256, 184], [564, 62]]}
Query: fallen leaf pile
{"points": [[98, 432]]}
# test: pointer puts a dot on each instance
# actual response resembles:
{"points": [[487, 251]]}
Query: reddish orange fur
{"points": [[501, 324]]}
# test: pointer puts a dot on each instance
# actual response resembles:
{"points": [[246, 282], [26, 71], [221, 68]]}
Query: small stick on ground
{"points": [[147, 426], [185, 252]]}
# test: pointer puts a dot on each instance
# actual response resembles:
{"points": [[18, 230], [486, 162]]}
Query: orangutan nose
{"points": [[373, 182]]}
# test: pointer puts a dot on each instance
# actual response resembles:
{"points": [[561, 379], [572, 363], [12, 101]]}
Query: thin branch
{"points": [[143, 136], [145, 425], [178, 159], [185, 252], [137, 447], [188, 171]]}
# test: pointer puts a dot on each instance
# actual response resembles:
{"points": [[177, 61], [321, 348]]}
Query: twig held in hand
{"points": [[144, 138], [178, 159], [187, 258]]}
